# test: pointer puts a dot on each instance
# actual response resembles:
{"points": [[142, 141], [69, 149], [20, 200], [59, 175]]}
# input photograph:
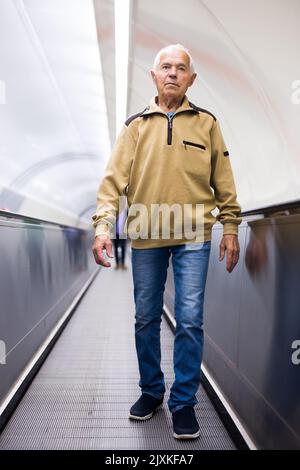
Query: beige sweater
{"points": [[155, 162]]}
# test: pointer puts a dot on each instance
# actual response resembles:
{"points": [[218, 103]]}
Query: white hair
{"points": [[179, 47]]}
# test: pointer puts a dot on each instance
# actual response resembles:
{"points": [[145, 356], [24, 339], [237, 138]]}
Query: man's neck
{"points": [[169, 104]]}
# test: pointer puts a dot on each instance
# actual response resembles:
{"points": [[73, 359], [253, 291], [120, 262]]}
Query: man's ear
{"points": [[192, 79], [153, 76]]}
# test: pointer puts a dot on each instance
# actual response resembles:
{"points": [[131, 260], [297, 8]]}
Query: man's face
{"points": [[173, 75]]}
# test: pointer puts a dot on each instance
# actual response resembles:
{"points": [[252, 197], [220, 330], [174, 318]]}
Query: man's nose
{"points": [[173, 72]]}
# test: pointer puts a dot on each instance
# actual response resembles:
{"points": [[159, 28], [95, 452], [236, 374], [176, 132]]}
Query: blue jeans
{"points": [[149, 268]]}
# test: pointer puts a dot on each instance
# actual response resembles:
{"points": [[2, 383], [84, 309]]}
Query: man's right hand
{"points": [[102, 242]]}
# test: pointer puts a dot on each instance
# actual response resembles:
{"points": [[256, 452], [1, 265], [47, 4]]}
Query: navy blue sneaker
{"points": [[185, 424], [145, 407]]}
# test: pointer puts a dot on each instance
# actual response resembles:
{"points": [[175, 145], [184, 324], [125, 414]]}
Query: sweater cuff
{"points": [[102, 229], [230, 229]]}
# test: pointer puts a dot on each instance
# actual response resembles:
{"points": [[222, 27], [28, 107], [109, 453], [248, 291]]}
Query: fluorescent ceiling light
{"points": [[122, 50]]}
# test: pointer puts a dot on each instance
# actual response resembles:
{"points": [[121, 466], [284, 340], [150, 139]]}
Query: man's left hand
{"points": [[230, 244]]}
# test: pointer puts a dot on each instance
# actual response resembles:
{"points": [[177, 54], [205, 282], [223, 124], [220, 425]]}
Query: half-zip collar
{"points": [[154, 108]]}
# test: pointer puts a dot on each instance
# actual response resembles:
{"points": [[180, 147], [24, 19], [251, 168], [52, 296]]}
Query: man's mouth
{"points": [[174, 84]]}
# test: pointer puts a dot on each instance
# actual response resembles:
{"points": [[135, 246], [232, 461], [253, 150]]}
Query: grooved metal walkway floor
{"points": [[82, 394]]}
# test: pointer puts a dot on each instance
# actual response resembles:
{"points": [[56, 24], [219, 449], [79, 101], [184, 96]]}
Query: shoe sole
{"points": [[187, 436], [144, 418]]}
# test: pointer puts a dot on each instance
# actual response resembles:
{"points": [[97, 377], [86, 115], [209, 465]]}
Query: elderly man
{"points": [[171, 154]]}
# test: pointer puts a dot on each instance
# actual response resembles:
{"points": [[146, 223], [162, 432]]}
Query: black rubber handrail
{"points": [[34, 220], [260, 211], [275, 208]]}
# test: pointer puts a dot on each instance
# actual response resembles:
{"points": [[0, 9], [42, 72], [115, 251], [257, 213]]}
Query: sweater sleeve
{"points": [[114, 183], [222, 182]]}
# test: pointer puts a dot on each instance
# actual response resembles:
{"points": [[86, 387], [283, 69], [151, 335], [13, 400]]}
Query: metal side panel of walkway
{"points": [[81, 396]]}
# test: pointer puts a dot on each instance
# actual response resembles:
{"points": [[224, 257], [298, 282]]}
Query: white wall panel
{"points": [[54, 105], [247, 58]]}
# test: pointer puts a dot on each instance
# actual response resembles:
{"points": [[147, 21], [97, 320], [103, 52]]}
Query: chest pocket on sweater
{"points": [[196, 159], [193, 144]]}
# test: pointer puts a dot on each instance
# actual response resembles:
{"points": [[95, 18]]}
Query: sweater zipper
{"points": [[170, 127]]}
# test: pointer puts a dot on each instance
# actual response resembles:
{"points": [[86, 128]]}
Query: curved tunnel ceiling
{"points": [[247, 58], [57, 95], [54, 105]]}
